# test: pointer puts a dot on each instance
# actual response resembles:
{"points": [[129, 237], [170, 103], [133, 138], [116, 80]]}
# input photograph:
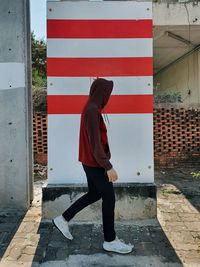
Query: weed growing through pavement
{"points": [[195, 174]]}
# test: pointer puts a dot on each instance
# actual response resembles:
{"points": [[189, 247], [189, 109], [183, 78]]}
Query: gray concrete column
{"points": [[16, 178], [198, 75]]}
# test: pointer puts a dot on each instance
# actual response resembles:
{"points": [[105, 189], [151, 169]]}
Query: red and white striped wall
{"points": [[113, 40]]}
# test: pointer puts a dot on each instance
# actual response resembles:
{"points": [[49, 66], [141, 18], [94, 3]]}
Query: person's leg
{"points": [[61, 221], [108, 212], [105, 188], [90, 197]]}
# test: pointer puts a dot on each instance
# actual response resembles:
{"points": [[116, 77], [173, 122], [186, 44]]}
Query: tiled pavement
{"points": [[172, 240]]}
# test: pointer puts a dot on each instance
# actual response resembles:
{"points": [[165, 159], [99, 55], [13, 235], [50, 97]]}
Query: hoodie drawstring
{"points": [[106, 117]]}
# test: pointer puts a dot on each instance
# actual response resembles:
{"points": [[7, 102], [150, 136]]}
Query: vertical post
{"points": [[113, 40], [16, 181], [198, 78], [91, 39]]}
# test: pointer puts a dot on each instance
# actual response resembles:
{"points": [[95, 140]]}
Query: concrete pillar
{"points": [[198, 76], [16, 179], [130, 131]]}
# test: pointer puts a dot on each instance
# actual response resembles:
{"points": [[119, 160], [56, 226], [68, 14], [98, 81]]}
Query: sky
{"points": [[38, 18]]}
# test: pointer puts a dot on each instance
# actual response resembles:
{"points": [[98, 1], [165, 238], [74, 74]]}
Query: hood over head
{"points": [[100, 92]]}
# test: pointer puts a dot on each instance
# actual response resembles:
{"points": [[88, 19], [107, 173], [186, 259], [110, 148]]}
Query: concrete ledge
{"points": [[133, 201]]}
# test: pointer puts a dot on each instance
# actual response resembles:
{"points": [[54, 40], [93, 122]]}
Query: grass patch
{"points": [[171, 191], [195, 174]]}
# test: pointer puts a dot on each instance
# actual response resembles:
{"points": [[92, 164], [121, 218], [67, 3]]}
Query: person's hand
{"points": [[112, 175]]}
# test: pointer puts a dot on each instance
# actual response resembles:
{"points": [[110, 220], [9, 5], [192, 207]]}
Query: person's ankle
{"points": [[109, 240], [64, 219]]}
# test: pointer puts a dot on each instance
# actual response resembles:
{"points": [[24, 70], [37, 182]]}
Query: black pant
{"points": [[98, 187]]}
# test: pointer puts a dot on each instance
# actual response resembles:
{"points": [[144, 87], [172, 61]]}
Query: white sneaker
{"points": [[118, 246], [62, 226]]}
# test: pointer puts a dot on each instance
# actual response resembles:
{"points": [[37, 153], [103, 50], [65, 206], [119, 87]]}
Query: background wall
{"points": [[183, 77], [176, 135]]}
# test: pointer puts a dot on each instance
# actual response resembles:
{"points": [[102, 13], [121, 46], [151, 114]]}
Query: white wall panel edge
{"points": [[99, 47], [81, 85], [90, 10]]}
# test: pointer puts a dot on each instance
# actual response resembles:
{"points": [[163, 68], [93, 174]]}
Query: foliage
{"points": [[195, 174], [170, 191], [173, 97], [38, 62], [39, 100]]}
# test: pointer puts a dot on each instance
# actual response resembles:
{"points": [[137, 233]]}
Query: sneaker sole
{"points": [[119, 252], [60, 230]]}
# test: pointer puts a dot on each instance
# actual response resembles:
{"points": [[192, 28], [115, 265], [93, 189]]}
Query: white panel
{"points": [[79, 48], [81, 85], [63, 138], [131, 144], [99, 10], [12, 75]]}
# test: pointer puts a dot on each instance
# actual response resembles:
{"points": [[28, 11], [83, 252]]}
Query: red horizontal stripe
{"points": [[73, 104], [95, 67], [99, 28]]}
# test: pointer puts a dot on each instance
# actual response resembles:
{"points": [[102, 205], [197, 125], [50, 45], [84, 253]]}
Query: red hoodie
{"points": [[94, 149]]}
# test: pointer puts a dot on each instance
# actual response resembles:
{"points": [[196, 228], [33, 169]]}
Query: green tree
{"points": [[39, 48]]}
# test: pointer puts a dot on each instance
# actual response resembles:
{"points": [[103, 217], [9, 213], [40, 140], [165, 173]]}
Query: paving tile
{"points": [[174, 239]]}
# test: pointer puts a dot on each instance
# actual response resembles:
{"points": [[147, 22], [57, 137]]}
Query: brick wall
{"points": [[40, 137], [176, 135]]}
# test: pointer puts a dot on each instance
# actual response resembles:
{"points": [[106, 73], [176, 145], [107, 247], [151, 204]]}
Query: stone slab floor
{"points": [[173, 240]]}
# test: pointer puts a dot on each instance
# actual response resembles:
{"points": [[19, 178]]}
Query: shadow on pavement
{"points": [[150, 242], [183, 181], [9, 224]]}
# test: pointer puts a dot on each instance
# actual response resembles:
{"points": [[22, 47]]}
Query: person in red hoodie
{"points": [[94, 154]]}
